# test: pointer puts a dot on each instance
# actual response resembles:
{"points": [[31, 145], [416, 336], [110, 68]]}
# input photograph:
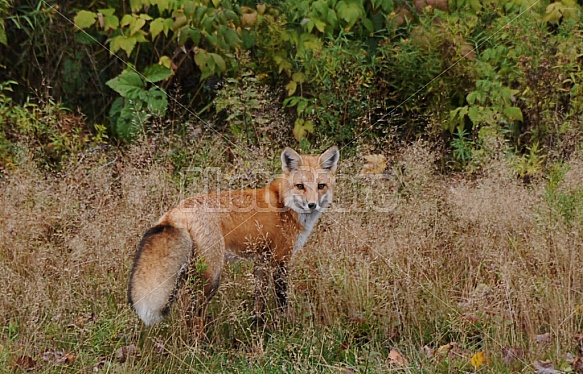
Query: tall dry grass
{"points": [[415, 260]]}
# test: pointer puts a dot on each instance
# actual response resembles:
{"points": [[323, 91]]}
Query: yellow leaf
{"points": [[165, 61], [302, 128], [445, 349], [299, 77], [249, 16], [291, 87], [396, 358], [478, 359]]}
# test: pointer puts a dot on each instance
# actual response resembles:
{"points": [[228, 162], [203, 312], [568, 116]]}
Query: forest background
{"points": [[456, 238]]}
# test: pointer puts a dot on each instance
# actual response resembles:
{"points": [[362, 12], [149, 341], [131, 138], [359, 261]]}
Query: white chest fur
{"points": [[308, 221]]}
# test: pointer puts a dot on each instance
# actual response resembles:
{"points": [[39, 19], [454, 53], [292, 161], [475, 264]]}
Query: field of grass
{"points": [[415, 272]]}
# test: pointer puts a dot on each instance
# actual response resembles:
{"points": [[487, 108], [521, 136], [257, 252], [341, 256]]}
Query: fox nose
{"points": [[312, 205]]}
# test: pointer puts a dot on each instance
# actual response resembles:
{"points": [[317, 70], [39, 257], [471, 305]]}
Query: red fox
{"points": [[268, 225]]}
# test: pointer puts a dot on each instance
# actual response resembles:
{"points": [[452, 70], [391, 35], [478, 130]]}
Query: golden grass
{"points": [[415, 260]]}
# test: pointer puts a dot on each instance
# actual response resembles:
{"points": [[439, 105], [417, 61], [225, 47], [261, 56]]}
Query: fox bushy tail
{"points": [[162, 256]]}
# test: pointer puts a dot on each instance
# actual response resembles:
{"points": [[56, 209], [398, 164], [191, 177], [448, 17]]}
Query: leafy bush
{"points": [[47, 130], [345, 70]]}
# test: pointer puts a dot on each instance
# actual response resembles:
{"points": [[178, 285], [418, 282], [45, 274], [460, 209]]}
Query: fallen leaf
{"points": [[58, 358], [397, 358], [543, 338], [478, 360], [579, 339], [511, 354], [67, 358], [123, 353], [545, 367], [446, 349], [429, 352], [575, 362], [159, 347], [100, 364], [24, 363], [375, 164]]}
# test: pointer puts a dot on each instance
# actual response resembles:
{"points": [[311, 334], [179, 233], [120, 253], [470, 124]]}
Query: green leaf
{"points": [[471, 98], [219, 61], [291, 88], [283, 64], [84, 19], [122, 42], [290, 102], [302, 105], [311, 42], [110, 23], [513, 113], [107, 12], [554, 12], [136, 5], [205, 62], [165, 61], [156, 27], [128, 84], [350, 11], [156, 73], [128, 20], [368, 25], [302, 128], [321, 7], [200, 13], [476, 5], [474, 114], [168, 25], [138, 24], [248, 39], [140, 36], [156, 101], [232, 38], [130, 122], [299, 77], [320, 25], [332, 19], [3, 39], [195, 36], [387, 6], [162, 4]]}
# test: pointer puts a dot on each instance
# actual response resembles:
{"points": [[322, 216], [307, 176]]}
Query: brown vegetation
{"points": [[411, 261]]}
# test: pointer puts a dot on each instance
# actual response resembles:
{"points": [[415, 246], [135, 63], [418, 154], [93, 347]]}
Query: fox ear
{"points": [[290, 160], [329, 159]]}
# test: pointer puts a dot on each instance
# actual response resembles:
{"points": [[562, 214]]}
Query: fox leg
{"points": [[260, 271], [204, 277], [280, 277]]}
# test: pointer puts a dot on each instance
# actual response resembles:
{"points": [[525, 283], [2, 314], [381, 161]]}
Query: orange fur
{"points": [[268, 225]]}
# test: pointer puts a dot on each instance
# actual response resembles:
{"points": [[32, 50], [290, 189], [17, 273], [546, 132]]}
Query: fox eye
{"points": [[321, 186], [300, 186]]}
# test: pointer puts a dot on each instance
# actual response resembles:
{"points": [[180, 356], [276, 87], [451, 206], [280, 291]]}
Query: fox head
{"points": [[309, 180]]}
